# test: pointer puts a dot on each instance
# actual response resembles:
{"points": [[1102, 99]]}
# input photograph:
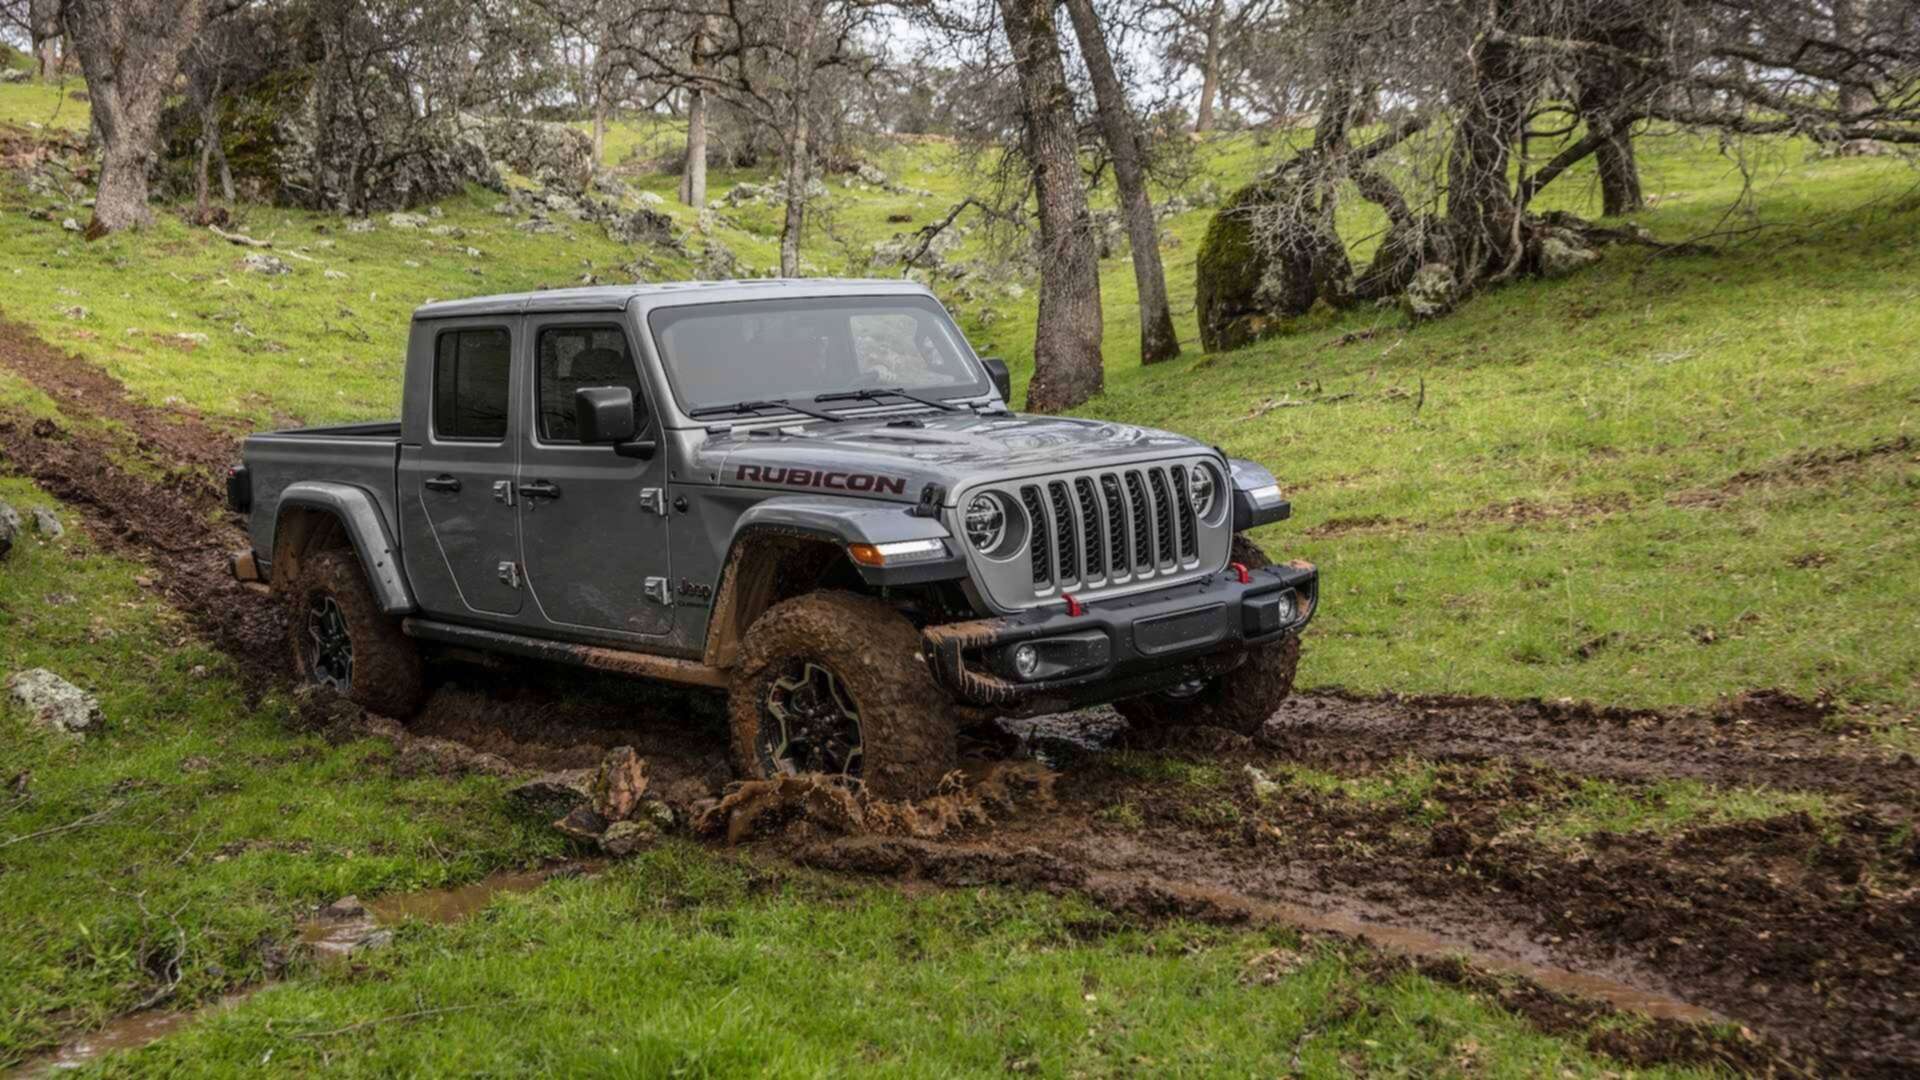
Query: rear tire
{"points": [[341, 639], [833, 682], [1242, 700]]}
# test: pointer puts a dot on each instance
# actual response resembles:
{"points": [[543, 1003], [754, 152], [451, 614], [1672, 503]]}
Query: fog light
{"points": [[1286, 607], [1026, 661]]}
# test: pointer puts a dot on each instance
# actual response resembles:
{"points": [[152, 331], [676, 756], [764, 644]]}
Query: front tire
{"points": [[341, 639], [833, 683], [1242, 700]]}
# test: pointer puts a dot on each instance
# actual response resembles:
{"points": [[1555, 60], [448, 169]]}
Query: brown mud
{"points": [[1803, 930]]}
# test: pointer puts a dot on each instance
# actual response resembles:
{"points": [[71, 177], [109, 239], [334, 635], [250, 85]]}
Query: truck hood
{"points": [[894, 459]]}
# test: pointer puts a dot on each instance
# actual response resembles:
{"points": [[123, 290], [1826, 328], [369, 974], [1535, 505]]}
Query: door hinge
{"points": [[659, 592], [503, 492], [653, 499], [510, 574]]}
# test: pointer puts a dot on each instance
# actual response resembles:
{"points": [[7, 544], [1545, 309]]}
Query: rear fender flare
{"points": [[366, 528]]}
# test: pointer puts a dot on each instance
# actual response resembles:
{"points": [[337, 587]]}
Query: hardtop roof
{"points": [[617, 297]]}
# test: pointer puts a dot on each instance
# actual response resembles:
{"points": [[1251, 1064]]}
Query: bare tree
{"points": [[1067, 365], [1200, 34], [1122, 135], [130, 52]]}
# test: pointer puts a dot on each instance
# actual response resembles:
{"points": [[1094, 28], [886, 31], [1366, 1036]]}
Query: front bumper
{"points": [[1119, 648]]}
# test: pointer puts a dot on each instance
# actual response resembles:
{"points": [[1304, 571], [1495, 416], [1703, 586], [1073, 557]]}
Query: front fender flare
{"points": [[365, 526], [845, 521]]}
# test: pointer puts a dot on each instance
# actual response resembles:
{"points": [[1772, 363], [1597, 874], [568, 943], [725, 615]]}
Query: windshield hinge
{"points": [[931, 497]]}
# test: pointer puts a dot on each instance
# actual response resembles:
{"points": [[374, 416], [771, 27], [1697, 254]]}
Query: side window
{"points": [[470, 384], [574, 357], [895, 348]]}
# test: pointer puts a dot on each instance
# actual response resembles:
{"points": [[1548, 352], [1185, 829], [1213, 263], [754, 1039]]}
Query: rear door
{"points": [[461, 475], [593, 524]]}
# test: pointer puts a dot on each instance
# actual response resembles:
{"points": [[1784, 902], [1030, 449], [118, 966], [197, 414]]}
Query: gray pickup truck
{"points": [[811, 494]]}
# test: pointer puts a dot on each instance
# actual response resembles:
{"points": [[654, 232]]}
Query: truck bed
{"points": [[365, 456]]}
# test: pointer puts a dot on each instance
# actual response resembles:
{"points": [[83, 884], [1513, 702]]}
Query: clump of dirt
{"points": [[1806, 468], [803, 806]]}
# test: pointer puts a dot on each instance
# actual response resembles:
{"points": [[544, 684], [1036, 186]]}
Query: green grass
{"points": [[681, 963], [219, 826], [1491, 497], [1668, 805]]}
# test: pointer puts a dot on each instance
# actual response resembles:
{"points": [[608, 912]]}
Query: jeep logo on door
{"points": [[820, 478]]}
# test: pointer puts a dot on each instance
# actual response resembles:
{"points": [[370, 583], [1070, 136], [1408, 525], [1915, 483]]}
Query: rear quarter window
{"points": [[471, 383]]}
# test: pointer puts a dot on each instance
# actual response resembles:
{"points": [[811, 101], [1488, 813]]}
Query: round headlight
{"points": [[986, 523], [1205, 490], [1026, 661]]}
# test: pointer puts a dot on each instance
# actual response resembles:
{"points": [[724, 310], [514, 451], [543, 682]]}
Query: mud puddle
{"points": [[342, 930], [1414, 942]]}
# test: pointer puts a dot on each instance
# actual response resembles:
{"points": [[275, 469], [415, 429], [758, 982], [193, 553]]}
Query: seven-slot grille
{"points": [[1110, 526]]}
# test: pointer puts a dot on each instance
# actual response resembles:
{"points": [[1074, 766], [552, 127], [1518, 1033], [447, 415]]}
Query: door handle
{"points": [[442, 482], [540, 489]]}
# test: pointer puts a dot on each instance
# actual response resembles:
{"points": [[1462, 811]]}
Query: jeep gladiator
{"points": [[811, 494]]}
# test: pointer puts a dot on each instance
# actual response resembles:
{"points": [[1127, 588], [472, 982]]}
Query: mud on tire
{"points": [[1241, 700], [329, 599], [906, 726]]}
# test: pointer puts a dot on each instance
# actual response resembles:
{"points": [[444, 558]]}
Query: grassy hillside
{"points": [[1664, 479]]}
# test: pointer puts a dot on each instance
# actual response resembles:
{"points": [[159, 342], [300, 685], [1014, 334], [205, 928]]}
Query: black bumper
{"points": [[1115, 649]]}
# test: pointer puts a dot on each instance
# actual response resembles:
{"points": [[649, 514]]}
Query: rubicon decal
{"points": [[820, 478]]}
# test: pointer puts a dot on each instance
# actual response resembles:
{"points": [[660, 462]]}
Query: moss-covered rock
{"points": [[1267, 255]]}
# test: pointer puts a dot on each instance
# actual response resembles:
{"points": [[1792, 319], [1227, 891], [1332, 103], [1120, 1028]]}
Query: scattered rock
{"points": [[871, 174], [46, 524], [1264, 786], [582, 823], [1563, 253], [620, 784], [9, 527], [257, 263], [1431, 293], [334, 275], [555, 794], [56, 704], [360, 225], [78, 313], [70, 225], [623, 838], [347, 907], [650, 199], [403, 220]]}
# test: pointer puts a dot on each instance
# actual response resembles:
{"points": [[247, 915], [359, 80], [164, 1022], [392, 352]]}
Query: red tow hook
{"points": [[1240, 571], [1075, 608]]}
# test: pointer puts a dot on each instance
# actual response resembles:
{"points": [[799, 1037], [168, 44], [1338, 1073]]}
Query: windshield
{"points": [[718, 354]]}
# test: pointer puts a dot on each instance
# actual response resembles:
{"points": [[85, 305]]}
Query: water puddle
{"points": [[1422, 943], [355, 929]]}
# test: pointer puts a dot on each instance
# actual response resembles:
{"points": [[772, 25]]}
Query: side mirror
{"points": [[603, 414], [1002, 378]]}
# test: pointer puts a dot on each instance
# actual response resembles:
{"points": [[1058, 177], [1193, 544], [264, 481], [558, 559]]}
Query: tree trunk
{"points": [[798, 150], [599, 131], [1856, 96], [1481, 214], [1210, 67], [130, 52], [1619, 174], [1067, 368], [1157, 338], [693, 177], [796, 217], [43, 18]]}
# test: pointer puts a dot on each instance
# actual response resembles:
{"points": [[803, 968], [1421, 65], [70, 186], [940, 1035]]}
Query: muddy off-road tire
{"points": [[330, 608], [844, 671], [1241, 701]]}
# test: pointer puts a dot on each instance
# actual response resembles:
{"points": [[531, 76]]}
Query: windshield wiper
{"points": [[757, 406], [876, 393]]}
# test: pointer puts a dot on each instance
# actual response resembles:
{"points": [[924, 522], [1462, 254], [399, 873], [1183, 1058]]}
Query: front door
{"points": [[461, 475], [593, 524]]}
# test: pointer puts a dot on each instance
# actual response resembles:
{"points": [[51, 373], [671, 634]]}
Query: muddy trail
{"points": [[1801, 929]]}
